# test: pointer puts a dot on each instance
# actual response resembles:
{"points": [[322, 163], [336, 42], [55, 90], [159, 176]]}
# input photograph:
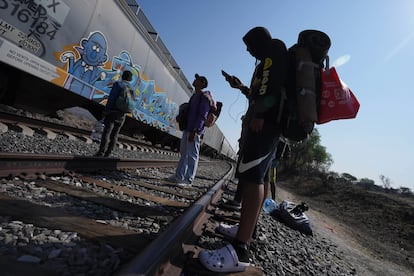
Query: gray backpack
{"points": [[126, 99]]}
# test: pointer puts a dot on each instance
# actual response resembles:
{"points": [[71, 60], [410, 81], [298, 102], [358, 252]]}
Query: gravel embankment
{"points": [[277, 249]]}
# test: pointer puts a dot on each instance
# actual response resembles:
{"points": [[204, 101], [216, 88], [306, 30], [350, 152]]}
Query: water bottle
{"points": [[269, 205]]}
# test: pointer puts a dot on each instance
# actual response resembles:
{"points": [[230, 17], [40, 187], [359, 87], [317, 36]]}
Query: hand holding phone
{"points": [[233, 81]]}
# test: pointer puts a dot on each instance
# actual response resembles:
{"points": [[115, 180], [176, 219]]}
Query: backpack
{"points": [[213, 115], [215, 109], [126, 100], [306, 59], [182, 116]]}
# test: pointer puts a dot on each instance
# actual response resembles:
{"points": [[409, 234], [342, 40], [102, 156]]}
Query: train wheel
{"points": [[9, 83], [4, 81]]}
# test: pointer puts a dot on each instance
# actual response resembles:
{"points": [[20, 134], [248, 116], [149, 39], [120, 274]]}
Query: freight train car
{"points": [[56, 54]]}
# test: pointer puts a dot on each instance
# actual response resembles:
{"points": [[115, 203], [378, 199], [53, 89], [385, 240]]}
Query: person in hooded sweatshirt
{"points": [[259, 138], [114, 118]]}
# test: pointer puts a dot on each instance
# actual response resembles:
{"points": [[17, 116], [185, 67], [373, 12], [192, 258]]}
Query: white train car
{"points": [[61, 53]]}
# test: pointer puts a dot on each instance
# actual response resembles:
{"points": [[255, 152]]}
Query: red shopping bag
{"points": [[337, 100]]}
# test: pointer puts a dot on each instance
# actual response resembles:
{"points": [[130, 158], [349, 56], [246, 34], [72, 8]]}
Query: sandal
{"points": [[222, 260], [227, 230]]}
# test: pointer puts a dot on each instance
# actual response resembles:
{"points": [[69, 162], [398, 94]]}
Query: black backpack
{"points": [[306, 59], [213, 115], [182, 116]]}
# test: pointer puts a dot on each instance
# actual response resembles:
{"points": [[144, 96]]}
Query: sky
{"points": [[372, 50]]}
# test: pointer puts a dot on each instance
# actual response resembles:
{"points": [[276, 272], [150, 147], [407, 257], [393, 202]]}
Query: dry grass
{"points": [[382, 222]]}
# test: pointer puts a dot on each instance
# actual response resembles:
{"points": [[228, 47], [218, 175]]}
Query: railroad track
{"points": [[33, 165], [126, 205], [29, 126], [151, 226]]}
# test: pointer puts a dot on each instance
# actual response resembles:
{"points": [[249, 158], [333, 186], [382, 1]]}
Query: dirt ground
{"points": [[365, 261]]}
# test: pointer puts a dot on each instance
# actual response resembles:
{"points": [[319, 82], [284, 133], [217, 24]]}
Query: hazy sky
{"points": [[372, 48]]}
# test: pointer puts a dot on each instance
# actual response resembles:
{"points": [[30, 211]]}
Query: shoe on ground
{"points": [[184, 184], [232, 205], [172, 178], [222, 260], [226, 230]]}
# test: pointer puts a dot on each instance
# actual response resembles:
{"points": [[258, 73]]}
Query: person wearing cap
{"points": [[260, 135], [199, 106]]}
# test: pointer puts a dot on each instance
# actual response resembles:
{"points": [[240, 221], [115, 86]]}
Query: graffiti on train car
{"points": [[85, 64], [82, 65], [91, 74]]}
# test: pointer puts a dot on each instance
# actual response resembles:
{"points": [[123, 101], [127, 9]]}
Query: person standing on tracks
{"points": [[282, 152], [199, 106], [261, 129], [114, 118]]}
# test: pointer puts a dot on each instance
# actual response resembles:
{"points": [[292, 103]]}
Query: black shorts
{"points": [[257, 154]]}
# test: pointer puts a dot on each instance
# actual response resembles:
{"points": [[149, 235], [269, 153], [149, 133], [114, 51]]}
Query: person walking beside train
{"points": [[261, 131], [199, 106], [114, 117]]}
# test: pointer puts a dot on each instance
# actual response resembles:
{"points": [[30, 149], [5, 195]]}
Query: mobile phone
{"points": [[227, 76], [234, 82]]}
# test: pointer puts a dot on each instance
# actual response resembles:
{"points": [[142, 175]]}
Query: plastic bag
{"points": [[337, 100], [97, 131], [269, 205]]}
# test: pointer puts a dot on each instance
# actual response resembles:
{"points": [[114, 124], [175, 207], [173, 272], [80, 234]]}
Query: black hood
{"points": [[257, 41]]}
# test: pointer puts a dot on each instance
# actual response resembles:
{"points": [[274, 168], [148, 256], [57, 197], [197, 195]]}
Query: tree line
{"points": [[310, 156]]}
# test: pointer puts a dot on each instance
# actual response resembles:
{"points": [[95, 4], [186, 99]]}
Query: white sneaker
{"points": [[184, 185], [228, 230]]}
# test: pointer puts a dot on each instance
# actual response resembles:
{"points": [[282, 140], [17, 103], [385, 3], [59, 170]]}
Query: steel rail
{"points": [[32, 165], [14, 119], [158, 258], [37, 123]]}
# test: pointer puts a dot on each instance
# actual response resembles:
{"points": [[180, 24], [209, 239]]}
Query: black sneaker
{"points": [[241, 249]]}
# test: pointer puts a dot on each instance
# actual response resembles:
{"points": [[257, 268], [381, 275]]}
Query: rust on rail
{"points": [[13, 164]]}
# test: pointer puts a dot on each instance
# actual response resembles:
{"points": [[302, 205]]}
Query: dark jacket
{"points": [[113, 95], [267, 88]]}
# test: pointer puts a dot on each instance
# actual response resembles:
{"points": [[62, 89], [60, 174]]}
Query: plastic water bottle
{"points": [[269, 205]]}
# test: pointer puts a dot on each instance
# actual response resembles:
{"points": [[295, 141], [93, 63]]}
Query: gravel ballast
{"points": [[278, 249]]}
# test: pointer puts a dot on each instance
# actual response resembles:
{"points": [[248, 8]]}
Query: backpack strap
{"points": [[283, 99], [210, 98]]}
